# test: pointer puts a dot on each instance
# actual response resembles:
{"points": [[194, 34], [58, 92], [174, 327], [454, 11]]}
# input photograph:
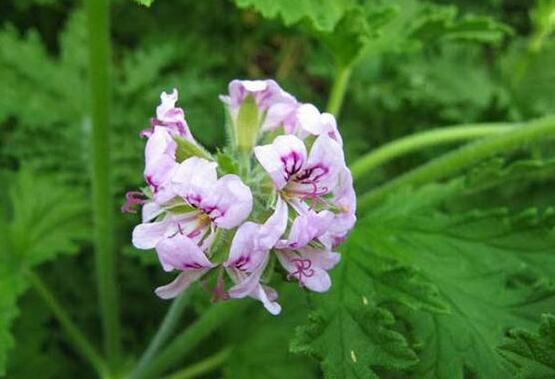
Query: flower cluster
{"points": [[287, 197]]}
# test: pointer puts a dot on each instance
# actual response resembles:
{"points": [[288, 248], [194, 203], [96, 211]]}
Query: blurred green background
{"points": [[424, 65]]}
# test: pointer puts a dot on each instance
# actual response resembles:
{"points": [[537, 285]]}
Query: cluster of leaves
{"points": [[429, 286], [41, 220]]}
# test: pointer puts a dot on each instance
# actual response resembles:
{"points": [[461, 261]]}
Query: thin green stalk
{"points": [[338, 89], [418, 141], [164, 332], [99, 52], [216, 315], [454, 162], [79, 341], [204, 366]]}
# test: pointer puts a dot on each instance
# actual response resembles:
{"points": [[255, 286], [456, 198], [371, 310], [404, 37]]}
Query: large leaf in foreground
{"points": [[532, 354], [489, 266], [351, 333]]}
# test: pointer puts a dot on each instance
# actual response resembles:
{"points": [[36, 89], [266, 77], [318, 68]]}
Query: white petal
{"points": [[194, 176], [147, 235], [180, 284]]}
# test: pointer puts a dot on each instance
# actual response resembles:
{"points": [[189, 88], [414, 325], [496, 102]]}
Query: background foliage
{"points": [[448, 280]]}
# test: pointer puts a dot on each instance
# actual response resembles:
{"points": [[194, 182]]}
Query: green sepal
{"points": [[247, 124], [186, 149], [226, 163]]}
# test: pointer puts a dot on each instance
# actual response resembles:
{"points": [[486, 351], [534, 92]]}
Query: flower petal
{"points": [[325, 161], [194, 178], [313, 122], [282, 158], [307, 227], [275, 226], [247, 283], [229, 202], [147, 235], [181, 253], [245, 252], [179, 284], [150, 211]]}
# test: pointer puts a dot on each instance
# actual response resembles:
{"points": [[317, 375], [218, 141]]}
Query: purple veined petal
{"points": [[194, 178], [245, 253], [181, 253], [252, 241], [157, 172], [307, 227], [246, 283], [147, 235], [228, 203], [282, 159], [325, 161], [179, 284], [309, 266]]}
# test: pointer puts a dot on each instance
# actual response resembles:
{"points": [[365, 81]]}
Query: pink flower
{"points": [[300, 176], [170, 117], [249, 255], [186, 226], [186, 203]]}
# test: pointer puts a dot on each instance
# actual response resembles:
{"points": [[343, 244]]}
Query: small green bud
{"points": [[247, 125]]}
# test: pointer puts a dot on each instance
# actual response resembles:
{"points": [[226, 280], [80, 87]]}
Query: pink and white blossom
{"points": [[300, 176], [186, 202]]}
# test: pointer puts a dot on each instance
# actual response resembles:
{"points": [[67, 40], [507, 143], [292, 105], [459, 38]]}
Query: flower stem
{"points": [[164, 331], [79, 341], [99, 86], [417, 141], [454, 162], [191, 337], [338, 89], [202, 367]]}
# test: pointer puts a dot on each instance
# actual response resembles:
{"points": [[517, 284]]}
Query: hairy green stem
{"points": [[434, 137], [191, 337], [338, 89], [99, 62], [454, 162], [202, 367], [164, 332], [79, 341]]}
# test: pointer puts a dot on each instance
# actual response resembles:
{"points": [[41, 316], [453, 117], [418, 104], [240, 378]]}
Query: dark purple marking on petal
{"points": [[150, 181], [303, 269], [242, 261], [292, 162], [312, 174]]}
